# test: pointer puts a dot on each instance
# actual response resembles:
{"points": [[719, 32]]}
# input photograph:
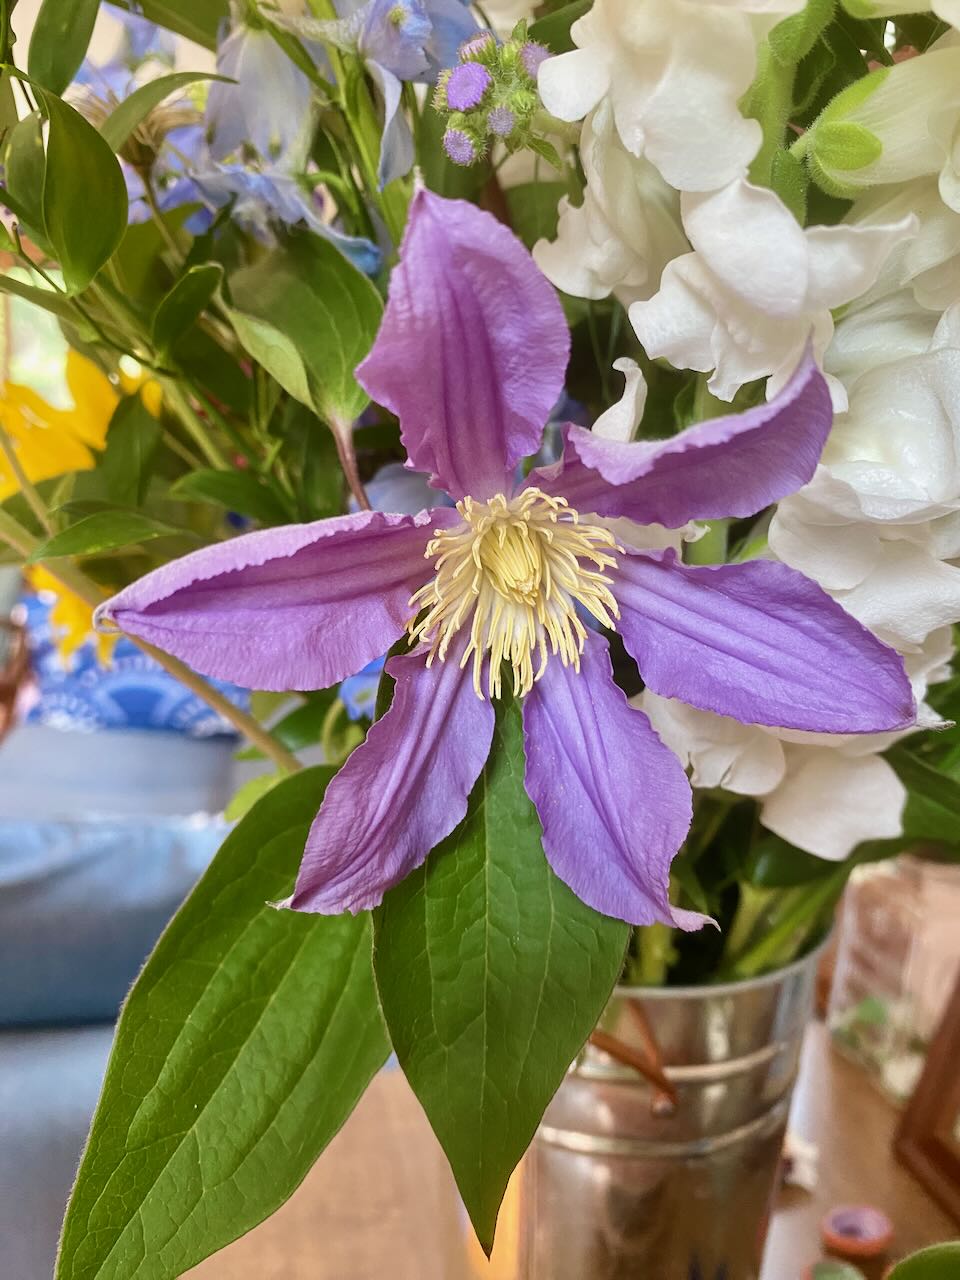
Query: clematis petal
{"points": [[729, 466], [472, 351], [401, 792], [299, 607], [614, 802], [758, 642]]}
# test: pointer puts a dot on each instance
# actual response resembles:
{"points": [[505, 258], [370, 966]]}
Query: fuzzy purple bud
{"points": [[501, 121], [459, 146], [477, 46], [532, 55], [466, 85]]}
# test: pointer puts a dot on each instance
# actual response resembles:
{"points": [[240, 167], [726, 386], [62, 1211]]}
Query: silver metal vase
{"points": [[615, 1189]]}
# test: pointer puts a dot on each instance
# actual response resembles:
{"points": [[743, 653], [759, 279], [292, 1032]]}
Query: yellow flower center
{"points": [[514, 572]]}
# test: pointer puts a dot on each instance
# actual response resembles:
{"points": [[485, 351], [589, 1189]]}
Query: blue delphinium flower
{"points": [[359, 693]]}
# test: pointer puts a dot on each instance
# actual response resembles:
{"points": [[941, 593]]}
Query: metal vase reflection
{"points": [[614, 1188]]}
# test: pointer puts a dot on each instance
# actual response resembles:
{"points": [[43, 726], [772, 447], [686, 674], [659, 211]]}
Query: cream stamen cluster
{"points": [[514, 572]]}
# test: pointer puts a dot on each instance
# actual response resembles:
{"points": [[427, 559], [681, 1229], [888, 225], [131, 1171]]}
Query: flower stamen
{"points": [[515, 569]]}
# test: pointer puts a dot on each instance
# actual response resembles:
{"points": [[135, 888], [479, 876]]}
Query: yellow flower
{"points": [[49, 441], [71, 619]]}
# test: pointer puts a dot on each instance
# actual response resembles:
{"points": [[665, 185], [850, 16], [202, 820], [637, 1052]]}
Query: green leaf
{"points": [[774, 863], [122, 474], [933, 799], [299, 728], [939, 1262], [249, 793], [84, 195], [492, 974], [46, 298], [59, 42], [132, 111], [244, 1045], [795, 37], [198, 20], [239, 491], [845, 145], [105, 531], [554, 29], [790, 180], [24, 167], [534, 210], [183, 306], [310, 317]]}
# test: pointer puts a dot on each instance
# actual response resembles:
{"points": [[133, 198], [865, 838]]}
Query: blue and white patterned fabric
{"points": [[133, 692]]}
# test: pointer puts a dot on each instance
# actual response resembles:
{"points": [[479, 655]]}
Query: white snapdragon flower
{"points": [[757, 288], [627, 228], [893, 125], [880, 521], [920, 279], [674, 71], [824, 794]]}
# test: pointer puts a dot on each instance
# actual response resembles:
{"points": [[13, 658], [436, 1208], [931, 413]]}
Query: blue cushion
{"points": [[49, 1083]]}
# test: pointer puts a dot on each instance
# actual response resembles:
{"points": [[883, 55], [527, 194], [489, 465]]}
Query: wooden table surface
{"points": [[381, 1201]]}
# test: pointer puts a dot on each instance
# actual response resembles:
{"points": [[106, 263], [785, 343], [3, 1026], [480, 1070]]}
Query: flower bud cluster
{"points": [[491, 96]]}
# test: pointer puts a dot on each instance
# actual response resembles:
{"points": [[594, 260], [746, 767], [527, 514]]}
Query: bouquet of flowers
{"points": [[552, 410]]}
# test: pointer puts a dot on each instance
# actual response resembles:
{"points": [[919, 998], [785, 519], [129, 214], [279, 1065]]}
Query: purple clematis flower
{"points": [[471, 357]]}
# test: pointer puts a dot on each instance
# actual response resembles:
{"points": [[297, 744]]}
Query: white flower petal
{"points": [[828, 803], [721, 752], [572, 84], [621, 420]]}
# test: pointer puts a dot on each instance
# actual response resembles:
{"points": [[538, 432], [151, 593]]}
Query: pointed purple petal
{"points": [[472, 350], [614, 802], [730, 466], [758, 642], [401, 792], [299, 607]]}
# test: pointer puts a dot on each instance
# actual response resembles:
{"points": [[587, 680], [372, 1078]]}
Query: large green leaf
{"points": [[198, 20], [84, 194], [59, 42], [245, 1044], [492, 974], [310, 317], [939, 1262], [132, 111]]}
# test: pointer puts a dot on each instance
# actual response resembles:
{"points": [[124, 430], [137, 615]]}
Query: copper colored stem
{"points": [[641, 1062]]}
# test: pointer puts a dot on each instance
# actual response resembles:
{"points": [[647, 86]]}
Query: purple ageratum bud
{"points": [[478, 47], [466, 85], [460, 147], [532, 55], [501, 121]]}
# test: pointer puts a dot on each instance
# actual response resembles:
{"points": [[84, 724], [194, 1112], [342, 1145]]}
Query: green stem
{"points": [[799, 911], [193, 424], [34, 501], [655, 954]]}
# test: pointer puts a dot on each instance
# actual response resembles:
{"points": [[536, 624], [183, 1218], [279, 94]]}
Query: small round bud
{"points": [[532, 55], [479, 47], [501, 121], [466, 86], [460, 147]]}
